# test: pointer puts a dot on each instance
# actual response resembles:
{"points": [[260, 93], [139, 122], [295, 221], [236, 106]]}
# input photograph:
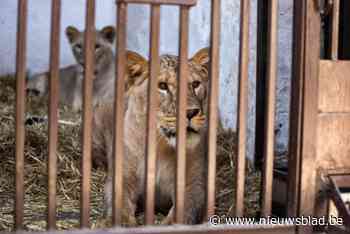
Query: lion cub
{"points": [[71, 77], [135, 139]]}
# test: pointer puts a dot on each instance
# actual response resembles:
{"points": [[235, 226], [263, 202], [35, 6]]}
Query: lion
{"points": [[135, 139], [71, 78]]}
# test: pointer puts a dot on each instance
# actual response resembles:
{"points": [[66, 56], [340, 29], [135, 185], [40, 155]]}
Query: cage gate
{"points": [[309, 126]]}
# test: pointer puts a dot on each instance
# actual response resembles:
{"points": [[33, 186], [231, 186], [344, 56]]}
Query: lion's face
{"points": [[197, 94], [103, 51], [196, 112]]}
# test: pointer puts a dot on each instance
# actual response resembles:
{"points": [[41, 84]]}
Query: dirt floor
{"points": [[69, 156]]}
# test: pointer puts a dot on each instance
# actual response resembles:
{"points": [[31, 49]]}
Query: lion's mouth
{"points": [[191, 130], [170, 133]]}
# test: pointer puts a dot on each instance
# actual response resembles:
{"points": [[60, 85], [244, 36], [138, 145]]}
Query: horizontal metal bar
{"points": [[341, 181], [195, 229], [165, 2], [338, 200]]}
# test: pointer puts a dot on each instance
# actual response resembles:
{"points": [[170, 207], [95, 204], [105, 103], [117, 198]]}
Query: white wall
{"points": [[73, 13]]}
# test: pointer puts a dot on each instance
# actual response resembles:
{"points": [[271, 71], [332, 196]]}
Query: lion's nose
{"points": [[192, 113]]}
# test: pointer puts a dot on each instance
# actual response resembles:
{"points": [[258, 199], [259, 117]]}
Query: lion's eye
{"points": [[163, 86], [196, 84]]}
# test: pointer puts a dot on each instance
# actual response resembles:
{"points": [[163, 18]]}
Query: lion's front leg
{"points": [[129, 194], [170, 218], [129, 203], [195, 203], [194, 207]]}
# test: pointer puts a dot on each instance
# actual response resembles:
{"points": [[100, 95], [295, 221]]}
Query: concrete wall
{"points": [[138, 40]]}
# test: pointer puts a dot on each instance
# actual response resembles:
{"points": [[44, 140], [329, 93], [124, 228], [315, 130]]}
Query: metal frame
{"points": [[304, 109], [303, 121]]}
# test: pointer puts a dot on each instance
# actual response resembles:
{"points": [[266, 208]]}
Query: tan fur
{"points": [[71, 77], [135, 139]]}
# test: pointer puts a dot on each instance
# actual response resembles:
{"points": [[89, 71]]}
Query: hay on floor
{"points": [[69, 157]]}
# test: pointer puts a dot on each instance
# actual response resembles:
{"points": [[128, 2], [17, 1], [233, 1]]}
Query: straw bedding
{"points": [[69, 159]]}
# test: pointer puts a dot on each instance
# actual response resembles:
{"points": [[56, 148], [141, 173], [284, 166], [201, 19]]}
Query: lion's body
{"points": [[72, 77], [135, 126]]}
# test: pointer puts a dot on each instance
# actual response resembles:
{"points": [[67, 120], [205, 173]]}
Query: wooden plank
{"points": [[87, 113], [118, 141], [270, 107], [151, 144], [53, 112], [333, 147], [213, 108], [181, 117], [21, 64], [165, 2], [334, 86], [242, 107]]}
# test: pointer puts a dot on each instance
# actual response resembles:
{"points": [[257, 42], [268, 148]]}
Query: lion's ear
{"points": [[108, 33], [136, 63], [136, 67], [72, 33], [202, 57]]}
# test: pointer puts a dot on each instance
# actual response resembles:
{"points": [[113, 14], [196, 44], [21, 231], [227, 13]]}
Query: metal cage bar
{"points": [[213, 104], [20, 109], [151, 144], [118, 146], [53, 112], [87, 113], [335, 29], [304, 109], [295, 124], [242, 107], [181, 116], [270, 107], [336, 183]]}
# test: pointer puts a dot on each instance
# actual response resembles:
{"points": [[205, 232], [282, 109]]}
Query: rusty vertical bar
{"points": [[118, 146], [270, 107], [181, 116], [295, 125], [242, 106], [20, 109], [87, 113], [213, 103], [261, 73], [151, 144], [335, 30], [53, 112], [310, 68]]}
